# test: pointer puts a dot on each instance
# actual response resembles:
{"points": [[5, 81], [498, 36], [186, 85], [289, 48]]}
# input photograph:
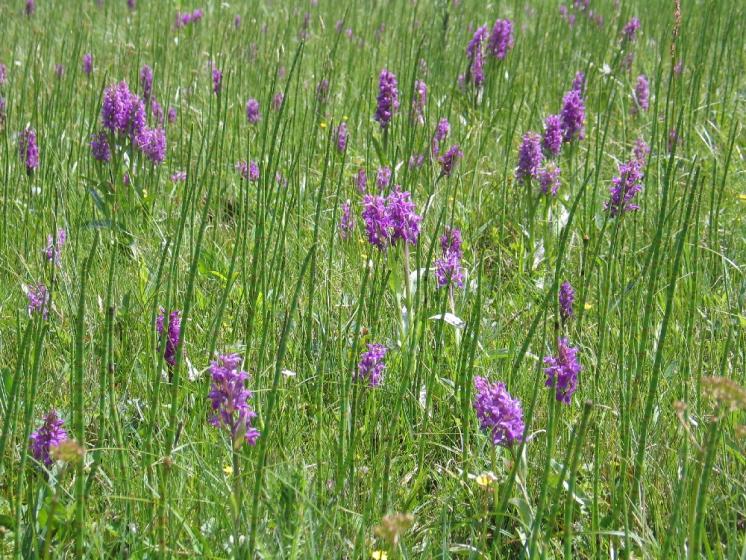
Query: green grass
{"points": [[647, 461]]}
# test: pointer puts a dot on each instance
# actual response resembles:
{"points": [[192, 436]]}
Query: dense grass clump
{"points": [[372, 279]]}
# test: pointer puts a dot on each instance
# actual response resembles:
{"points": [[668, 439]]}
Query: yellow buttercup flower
{"points": [[379, 555], [588, 306], [322, 125], [486, 479], [227, 469], [742, 196]]}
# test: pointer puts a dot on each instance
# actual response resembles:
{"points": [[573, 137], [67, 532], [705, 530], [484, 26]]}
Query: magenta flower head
{"points": [[578, 83], [172, 334], [361, 180], [217, 81], [277, 101], [229, 398], [475, 54], [641, 152], [405, 222], [28, 150], [131, 4], [237, 21], [171, 115], [441, 133], [252, 111], [498, 413], [179, 177], [449, 160], [152, 143], [448, 270], [372, 365], [377, 221], [30, 7], [3, 74], [419, 102], [100, 147], [59, 70], [38, 300], [248, 170], [342, 137], [48, 436], [562, 371], [88, 64], [53, 250], [629, 32], [388, 98], [549, 178], [383, 177], [566, 300], [573, 116], [529, 157], [642, 94], [122, 112], [624, 187], [157, 111], [346, 221], [552, 141], [146, 81], [501, 38]]}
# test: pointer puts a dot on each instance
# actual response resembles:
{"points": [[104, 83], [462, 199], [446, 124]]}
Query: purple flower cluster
{"points": [[419, 102], [152, 143], [562, 371], [53, 250], [566, 300], [371, 365], [388, 98], [172, 334], [529, 157], [448, 270], [88, 64], [146, 81], [346, 221], [501, 38], [642, 94], [123, 114], [449, 160], [549, 178], [573, 116], [624, 187], [179, 177], [383, 177], [185, 18], [629, 32], [30, 7], [248, 170], [641, 152], [28, 150], [3, 74], [277, 101], [361, 180], [217, 81], [475, 54], [390, 219], [252, 111], [229, 397], [49, 435], [441, 133], [38, 300], [578, 83], [100, 147], [498, 413], [416, 161], [552, 140], [342, 137], [322, 91]]}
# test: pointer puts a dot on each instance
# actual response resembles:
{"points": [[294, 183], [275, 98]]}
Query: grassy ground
{"points": [[647, 461]]}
